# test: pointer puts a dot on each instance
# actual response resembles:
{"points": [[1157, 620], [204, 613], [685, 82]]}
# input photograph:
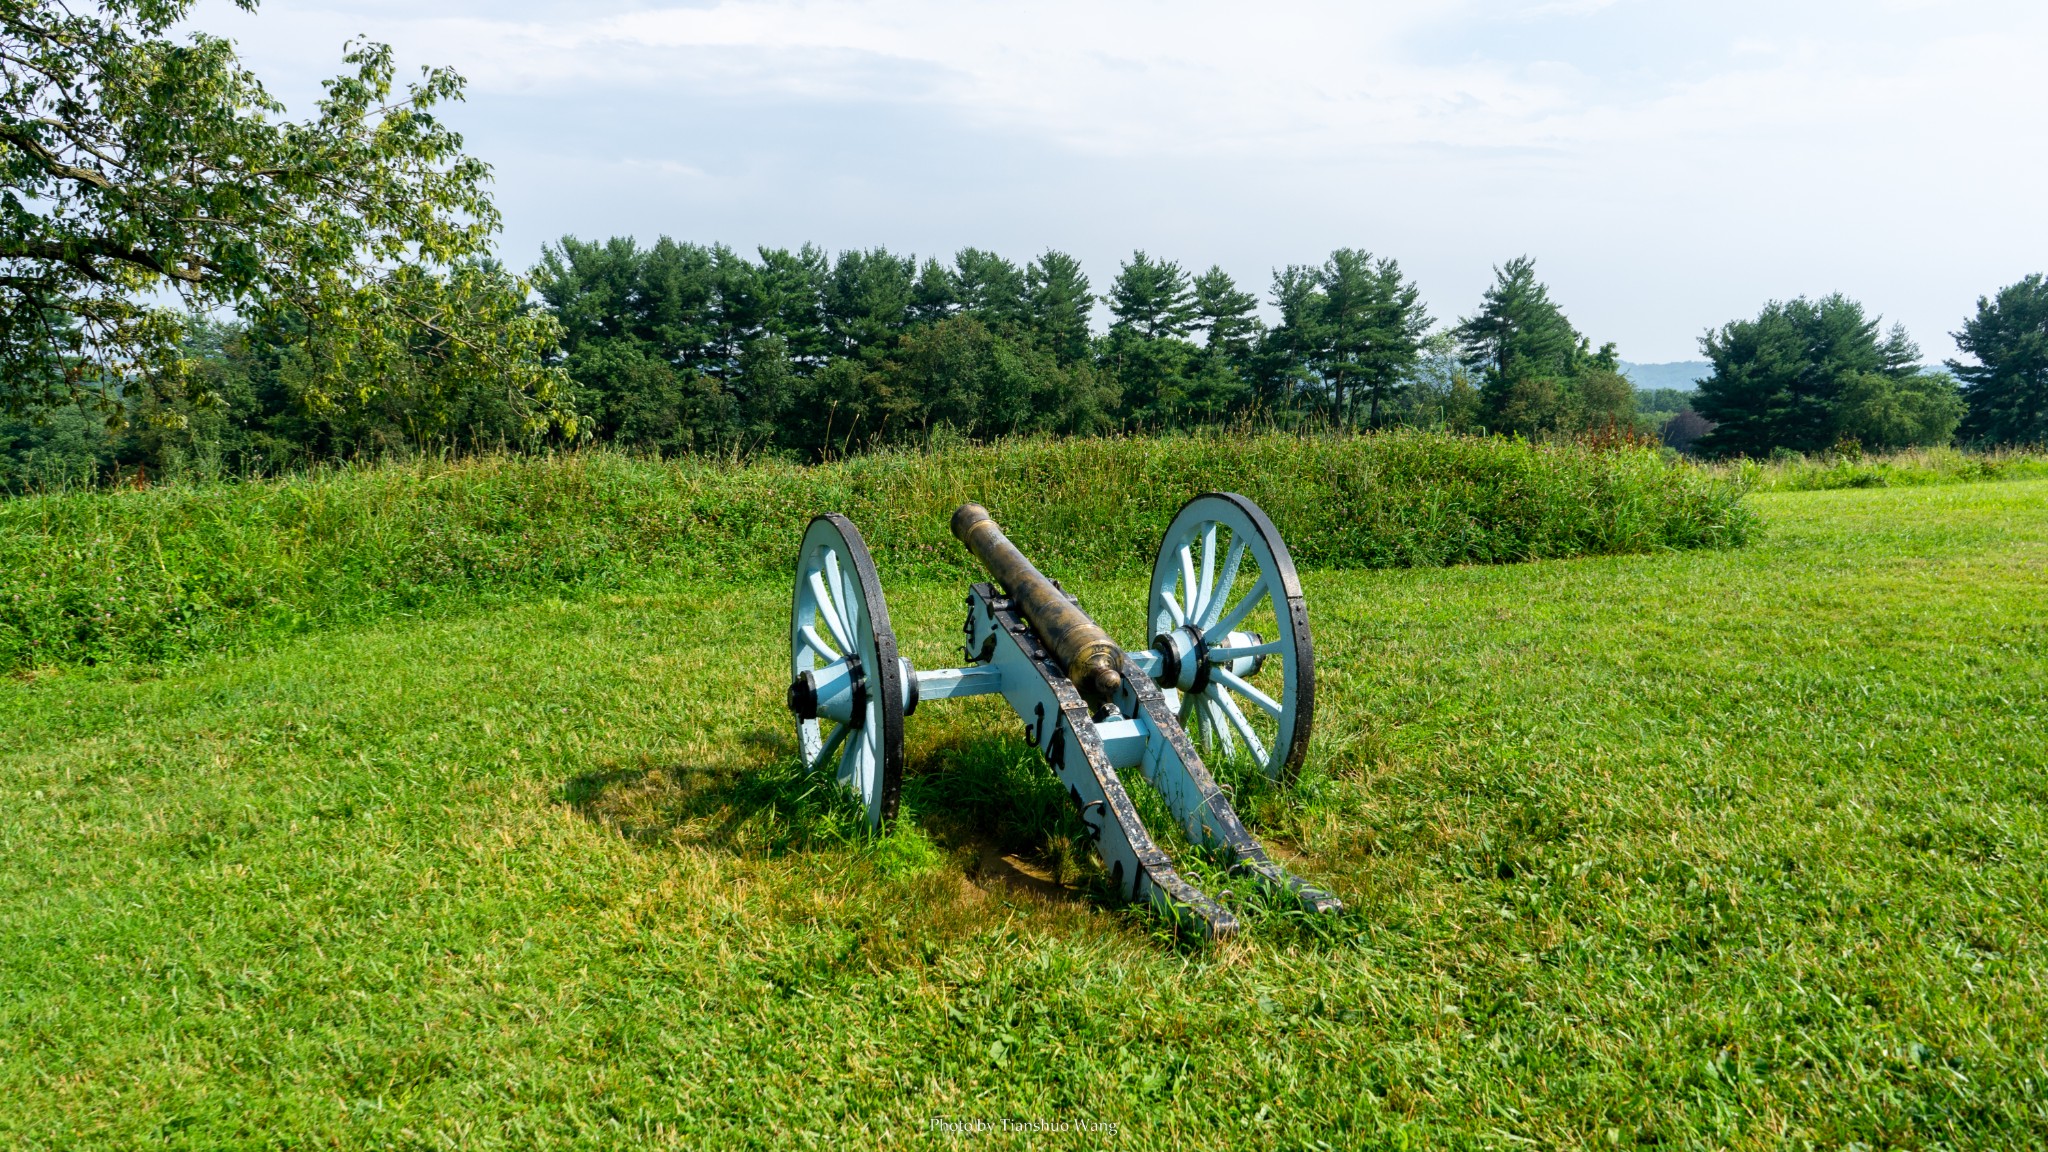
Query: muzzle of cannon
{"points": [[1210, 676]]}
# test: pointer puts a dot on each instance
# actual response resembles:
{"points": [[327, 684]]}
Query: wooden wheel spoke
{"points": [[1173, 609], [1213, 718], [816, 643], [1221, 655], [855, 752], [842, 599], [1201, 601], [1243, 726], [1220, 594], [1236, 615], [829, 613], [1237, 684], [830, 748]]}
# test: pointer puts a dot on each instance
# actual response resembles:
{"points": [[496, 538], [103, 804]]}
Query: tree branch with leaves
{"points": [[137, 171]]}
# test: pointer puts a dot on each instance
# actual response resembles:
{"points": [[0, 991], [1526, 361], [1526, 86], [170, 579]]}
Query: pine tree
{"points": [[1808, 374], [1147, 352], [783, 295], [1283, 379], [1227, 314], [1353, 328], [2007, 389], [990, 288], [1152, 299], [1525, 350], [867, 301], [1060, 304], [1373, 325], [1221, 381], [935, 296]]}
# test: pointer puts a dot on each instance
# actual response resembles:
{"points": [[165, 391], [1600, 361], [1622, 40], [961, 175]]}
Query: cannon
{"points": [[1229, 672]]}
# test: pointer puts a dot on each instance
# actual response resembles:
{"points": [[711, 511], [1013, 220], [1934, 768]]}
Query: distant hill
{"points": [[1679, 374]]}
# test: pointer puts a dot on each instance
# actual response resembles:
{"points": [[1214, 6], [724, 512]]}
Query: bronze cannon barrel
{"points": [[1087, 653]]}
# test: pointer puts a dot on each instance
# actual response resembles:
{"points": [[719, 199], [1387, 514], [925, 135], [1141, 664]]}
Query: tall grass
{"points": [[1906, 468], [147, 576]]}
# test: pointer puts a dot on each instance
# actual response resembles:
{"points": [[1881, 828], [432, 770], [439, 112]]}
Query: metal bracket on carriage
{"points": [[1138, 731], [1088, 706]]}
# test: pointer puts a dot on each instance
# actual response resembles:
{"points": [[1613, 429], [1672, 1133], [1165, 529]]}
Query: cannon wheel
{"points": [[838, 613], [1227, 615]]}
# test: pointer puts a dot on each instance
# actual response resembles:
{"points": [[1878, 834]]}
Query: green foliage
{"points": [[1905, 410], [1060, 303], [180, 570], [1712, 849], [1228, 315], [53, 450], [1656, 405], [867, 300], [1439, 393], [658, 342], [1152, 299], [960, 375], [1538, 374], [2007, 388], [1908, 468], [1147, 354], [1806, 375], [1356, 329], [134, 164], [679, 348], [990, 289]]}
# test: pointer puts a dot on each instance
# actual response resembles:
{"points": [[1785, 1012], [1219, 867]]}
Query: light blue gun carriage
{"points": [[1230, 667]]}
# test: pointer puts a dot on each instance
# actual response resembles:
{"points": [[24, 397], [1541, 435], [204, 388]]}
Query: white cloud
{"points": [[1224, 78], [1716, 151]]}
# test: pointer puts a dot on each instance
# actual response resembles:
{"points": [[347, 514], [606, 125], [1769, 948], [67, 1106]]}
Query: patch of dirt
{"points": [[990, 866]]}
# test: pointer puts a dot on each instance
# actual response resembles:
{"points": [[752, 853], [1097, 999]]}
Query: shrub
{"points": [[144, 576]]}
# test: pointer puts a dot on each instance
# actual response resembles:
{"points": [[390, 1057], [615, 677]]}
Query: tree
{"points": [[990, 288], [132, 164], [1227, 314], [1683, 428], [2006, 390], [1529, 356], [1808, 374], [1147, 353], [867, 299], [935, 296], [639, 328], [1282, 379], [1220, 380], [970, 378], [763, 386], [1061, 305], [1368, 331], [1603, 397], [1151, 299], [786, 295], [1439, 392], [1898, 410]]}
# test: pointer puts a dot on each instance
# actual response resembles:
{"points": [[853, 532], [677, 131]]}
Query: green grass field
{"points": [[1691, 849]]}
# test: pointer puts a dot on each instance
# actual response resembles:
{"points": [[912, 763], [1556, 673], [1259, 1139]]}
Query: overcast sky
{"points": [[1670, 164]]}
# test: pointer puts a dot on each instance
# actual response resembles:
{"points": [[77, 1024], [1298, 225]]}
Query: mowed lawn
{"points": [[1739, 849]]}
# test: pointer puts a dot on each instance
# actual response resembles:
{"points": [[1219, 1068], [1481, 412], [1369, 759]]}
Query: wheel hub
{"points": [[1186, 661], [838, 691]]}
